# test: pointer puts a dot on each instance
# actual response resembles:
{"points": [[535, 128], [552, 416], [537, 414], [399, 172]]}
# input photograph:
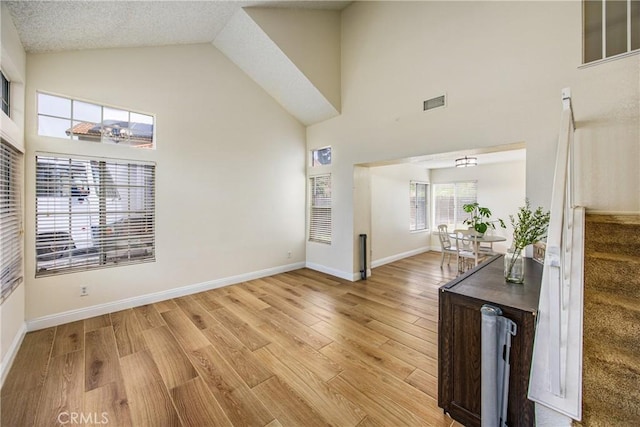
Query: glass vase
{"points": [[514, 266]]}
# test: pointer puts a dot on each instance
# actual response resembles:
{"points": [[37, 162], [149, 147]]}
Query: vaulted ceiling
{"points": [[249, 33]]}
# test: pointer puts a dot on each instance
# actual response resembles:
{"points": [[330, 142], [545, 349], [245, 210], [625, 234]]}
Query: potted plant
{"points": [[528, 228], [480, 218]]}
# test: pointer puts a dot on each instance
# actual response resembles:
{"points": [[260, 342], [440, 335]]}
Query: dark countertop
{"points": [[486, 282]]}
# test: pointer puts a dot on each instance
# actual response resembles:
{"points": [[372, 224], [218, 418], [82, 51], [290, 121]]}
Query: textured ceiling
{"points": [[50, 26]]}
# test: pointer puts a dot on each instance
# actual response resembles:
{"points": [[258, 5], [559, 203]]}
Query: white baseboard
{"points": [[352, 277], [396, 257], [110, 307], [8, 358]]}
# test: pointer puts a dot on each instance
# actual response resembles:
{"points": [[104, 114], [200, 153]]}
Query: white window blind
{"points": [[449, 199], [320, 212], [10, 219], [93, 213], [418, 206]]}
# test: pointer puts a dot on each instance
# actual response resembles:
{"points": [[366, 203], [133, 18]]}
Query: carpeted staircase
{"points": [[611, 369]]}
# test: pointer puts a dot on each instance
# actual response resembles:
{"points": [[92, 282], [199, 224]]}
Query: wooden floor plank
{"points": [[108, 401], [286, 405], [97, 322], [427, 383], [329, 403], [244, 332], [421, 345], [128, 332], [69, 338], [149, 401], [196, 405], [166, 305], [241, 359], [411, 356], [242, 407], [20, 408], [247, 298], [173, 364], [30, 366], [195, 312], [148, 317], [101, 359], [63, 391], [186, 333]]}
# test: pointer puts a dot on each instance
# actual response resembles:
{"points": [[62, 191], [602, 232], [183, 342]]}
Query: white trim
{"points": [[352, 277], [8, 358], [606, 212], [396, 257], [609, 59], [110, 307]]}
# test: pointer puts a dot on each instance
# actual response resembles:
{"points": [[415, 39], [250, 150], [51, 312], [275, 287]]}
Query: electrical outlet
{"points": [[84, 291], [289, 254]]}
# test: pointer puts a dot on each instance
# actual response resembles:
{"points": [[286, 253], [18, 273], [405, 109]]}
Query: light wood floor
{"points": [[296, 349]]}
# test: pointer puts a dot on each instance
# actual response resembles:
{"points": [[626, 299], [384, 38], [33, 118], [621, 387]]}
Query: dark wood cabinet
{"points": [[459, 339]]}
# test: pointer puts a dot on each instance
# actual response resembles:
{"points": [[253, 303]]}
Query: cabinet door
{"points": [[460, 359], [459, 367]]}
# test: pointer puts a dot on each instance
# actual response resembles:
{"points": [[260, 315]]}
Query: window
{"points": [[610, 28], [6, 94], [10, 220], [418, 206], [93, 213], [320, 212], [449, 199], [72, 119], [321, 157]]}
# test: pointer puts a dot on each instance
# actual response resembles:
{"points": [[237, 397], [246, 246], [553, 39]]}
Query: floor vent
{"points": [[432, 103]]}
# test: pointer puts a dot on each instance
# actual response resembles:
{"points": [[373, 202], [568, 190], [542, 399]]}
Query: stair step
{"points": [[614, 273], [614, 320], [613, 233]]}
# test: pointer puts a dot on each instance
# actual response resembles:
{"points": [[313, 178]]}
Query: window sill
{"points": [[426, 230], [609, 59]]}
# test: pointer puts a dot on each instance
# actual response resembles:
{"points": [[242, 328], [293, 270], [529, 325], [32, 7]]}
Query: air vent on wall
{"points": [[432, 103]]}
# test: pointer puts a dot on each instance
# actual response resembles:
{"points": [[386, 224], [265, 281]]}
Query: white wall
{"points": [[503, 66], [230, 187], [390, 235], [13, 64], [501, 188], [310, 39]]}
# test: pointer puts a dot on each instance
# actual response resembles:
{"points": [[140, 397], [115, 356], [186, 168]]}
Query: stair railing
{"points": [[556, 369]]}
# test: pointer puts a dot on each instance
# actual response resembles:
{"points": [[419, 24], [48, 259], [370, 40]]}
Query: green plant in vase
{"points": [[528, 227], [480, 218]]}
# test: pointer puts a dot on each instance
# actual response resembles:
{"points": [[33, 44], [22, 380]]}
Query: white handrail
{"points": [[556, 371]]}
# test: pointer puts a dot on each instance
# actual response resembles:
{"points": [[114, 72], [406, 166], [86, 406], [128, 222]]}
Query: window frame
{"points": [[320, 215], [96, 213], [414, 208], [101, 131], [457, 208], [11, 220], [629, 42], [6, 94], [315, 155]]}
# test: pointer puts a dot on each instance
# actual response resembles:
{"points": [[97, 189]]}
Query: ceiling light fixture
{"points": [[465, 161]]}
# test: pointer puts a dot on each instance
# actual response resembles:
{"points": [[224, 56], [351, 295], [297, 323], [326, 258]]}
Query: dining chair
{"points": [[445, 244], [469, 252]]}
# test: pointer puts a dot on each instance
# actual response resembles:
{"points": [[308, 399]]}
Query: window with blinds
{"points": [[448, 200], [93, 213], [418, 206], [320, 209], [10, 219]]}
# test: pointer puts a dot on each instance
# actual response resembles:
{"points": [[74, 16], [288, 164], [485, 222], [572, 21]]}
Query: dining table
{"points": [[477, 239]]}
